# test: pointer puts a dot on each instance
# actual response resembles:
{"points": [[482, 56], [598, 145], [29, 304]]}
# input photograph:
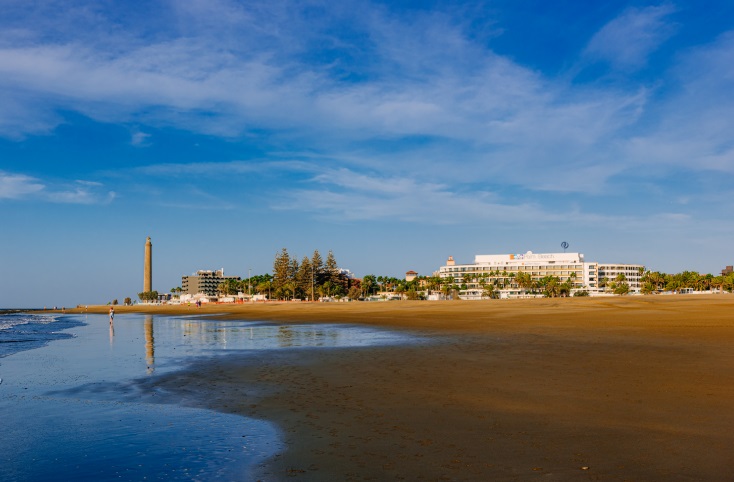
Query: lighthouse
{"points": [[148, 270]]}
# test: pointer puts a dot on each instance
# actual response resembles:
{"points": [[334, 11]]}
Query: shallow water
{"points": [[70, 409], [26, 331]]}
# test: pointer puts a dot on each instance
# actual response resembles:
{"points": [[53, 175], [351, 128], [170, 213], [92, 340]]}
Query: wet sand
{"points": [[636, 388]]}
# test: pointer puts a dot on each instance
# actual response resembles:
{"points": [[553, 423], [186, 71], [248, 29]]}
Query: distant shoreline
{"points": [[415, 314], [23, 310]]}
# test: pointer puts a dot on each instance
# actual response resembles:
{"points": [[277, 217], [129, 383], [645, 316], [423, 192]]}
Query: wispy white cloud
{"points": [[422, 205], [628, 40], [192, 198], [16, 186], [221, 169], [426, 79], [139, 139], [80, 195], [23, 187], [693, 132], [344, 195], [480, 116]]}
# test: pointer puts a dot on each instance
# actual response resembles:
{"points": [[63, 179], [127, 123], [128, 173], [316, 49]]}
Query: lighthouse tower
{"points": [[148, 270]]}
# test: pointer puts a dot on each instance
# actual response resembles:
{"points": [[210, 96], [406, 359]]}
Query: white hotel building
{"points": [[501, 269]]}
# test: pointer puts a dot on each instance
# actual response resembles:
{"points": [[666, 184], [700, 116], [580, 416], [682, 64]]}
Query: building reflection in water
{"points": [[191, 335], [285, 336], [149, 344], [233, 335]]}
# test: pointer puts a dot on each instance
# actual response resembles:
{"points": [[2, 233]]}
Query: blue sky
{"points": [[394, 134]]}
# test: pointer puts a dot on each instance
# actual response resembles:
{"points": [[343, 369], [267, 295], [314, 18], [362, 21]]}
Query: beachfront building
{"points": [[629, 273], [204, 282], [514, 275]]}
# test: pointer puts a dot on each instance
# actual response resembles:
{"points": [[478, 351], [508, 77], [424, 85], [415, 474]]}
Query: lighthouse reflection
{"points": [[149, 344]]}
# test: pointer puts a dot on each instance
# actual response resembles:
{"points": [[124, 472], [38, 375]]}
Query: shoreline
{"points": [[71, 411], [467, 315], [614, 389]]}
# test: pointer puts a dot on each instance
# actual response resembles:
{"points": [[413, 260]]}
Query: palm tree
{"points": [[550, 286], [566, 287], [381, 282], [368, 283], [524, 280], [265, 286], [706, 282], [718, 281], [400, 289], [488, 290], [603, 283], [728, 283], [446, 289], [647, 288], [673, 284], [290, 287], [327, 289], [621, 288]]}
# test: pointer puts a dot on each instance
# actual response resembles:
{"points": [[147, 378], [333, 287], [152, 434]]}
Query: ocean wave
{"points": [[24, 331], [12, 320]]}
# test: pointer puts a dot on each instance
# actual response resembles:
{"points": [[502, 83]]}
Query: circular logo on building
{"points": [[564, 245]]}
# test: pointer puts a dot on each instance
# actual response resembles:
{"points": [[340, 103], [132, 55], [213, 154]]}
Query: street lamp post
{"points": [[249, 283]]}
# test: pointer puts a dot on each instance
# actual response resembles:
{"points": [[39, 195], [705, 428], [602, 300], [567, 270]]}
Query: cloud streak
{"points": [[17, 186], [627, 41], [21, 187], [341, 195], [413, 94]]}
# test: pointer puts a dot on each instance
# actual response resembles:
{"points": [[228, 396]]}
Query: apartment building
{"points": [[501, 270], [204, 281]]}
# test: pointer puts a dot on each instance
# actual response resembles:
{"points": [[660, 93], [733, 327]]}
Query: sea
{"points": [[72, 407], [25, 330]]}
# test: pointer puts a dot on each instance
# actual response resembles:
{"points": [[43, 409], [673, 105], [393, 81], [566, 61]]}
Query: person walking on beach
{"points": [[112, 314]]}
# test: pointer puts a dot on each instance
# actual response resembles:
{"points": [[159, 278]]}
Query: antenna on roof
{"points": [[564, 245]]}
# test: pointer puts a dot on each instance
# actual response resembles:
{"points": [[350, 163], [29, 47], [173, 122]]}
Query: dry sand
{"points": [[635, 388]]}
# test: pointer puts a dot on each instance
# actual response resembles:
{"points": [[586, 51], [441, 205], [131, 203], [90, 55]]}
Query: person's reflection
{"points": [[149, 344], [112, 333]]}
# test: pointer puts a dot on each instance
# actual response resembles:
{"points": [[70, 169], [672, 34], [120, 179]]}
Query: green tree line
{"points": [[310, 279], [372, 284], [313, 278], [147, 296], [656, 282]]}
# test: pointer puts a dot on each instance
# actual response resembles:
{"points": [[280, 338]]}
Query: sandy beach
{"points": [[624, 388]]}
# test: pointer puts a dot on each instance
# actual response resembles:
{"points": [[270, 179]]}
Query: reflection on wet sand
{"points": [[197, 335], [234, 335], [112, 333], [149, 344]]}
